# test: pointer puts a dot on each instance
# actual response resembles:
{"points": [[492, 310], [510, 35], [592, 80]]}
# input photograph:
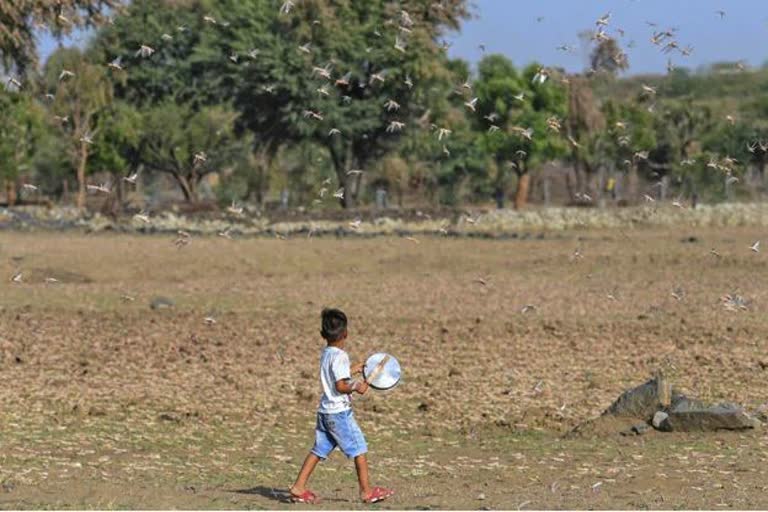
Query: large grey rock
{"points": [[691, 416], [640, 402], [681, 403]]}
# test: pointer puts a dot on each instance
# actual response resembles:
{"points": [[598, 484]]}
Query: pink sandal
{"points": [[307, 497], [378, 494]]}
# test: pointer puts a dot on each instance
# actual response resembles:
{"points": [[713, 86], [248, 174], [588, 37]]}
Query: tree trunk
{"points": [[498, 195], [341, 166], [187, 187], [348, 200], [521, 194], [569, 186], [578, 174], [258, 181], [82, 161], [10, 192], [120, 191], [632, 183], [358, 186]]}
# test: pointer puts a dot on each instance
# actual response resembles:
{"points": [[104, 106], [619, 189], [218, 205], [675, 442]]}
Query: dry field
{"points": [[105, 403]]}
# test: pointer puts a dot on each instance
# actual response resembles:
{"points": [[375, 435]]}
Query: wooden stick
{"points": [[663, 388], [377, 370]]}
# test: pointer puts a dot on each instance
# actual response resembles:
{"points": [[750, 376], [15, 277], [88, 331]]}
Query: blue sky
{"points": [[510, 27]]}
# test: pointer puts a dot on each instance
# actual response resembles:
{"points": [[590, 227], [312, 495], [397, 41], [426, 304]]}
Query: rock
{"points": [[642, 401], [659, 418], [161, 303], [481, 496], [690, 416], [681, 403], [636, 430]]}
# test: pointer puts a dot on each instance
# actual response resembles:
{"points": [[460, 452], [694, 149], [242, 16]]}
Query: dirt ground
{"points": [[105, 403]]}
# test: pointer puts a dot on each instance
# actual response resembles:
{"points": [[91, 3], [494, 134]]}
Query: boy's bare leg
{"points": [[306, 471], [361, 465]]}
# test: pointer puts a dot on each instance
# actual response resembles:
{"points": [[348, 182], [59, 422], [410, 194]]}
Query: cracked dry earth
{"points": [[105, 403]]}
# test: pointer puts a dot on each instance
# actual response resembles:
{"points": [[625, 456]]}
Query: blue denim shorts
{"points": [[339, 429]]}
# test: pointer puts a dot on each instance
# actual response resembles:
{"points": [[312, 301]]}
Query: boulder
{"points": [[643, 401], [655, 402], [691, 416]]}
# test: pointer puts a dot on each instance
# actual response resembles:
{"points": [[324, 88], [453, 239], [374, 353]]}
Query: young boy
{"points": [[336, 425]]}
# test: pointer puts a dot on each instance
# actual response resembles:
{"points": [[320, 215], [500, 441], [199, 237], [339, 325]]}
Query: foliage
{"points": [[22, 126], [21, 19], [189, 144], [332, 99], [117, 143], [520, 117], [608, 57], [78, 92]]}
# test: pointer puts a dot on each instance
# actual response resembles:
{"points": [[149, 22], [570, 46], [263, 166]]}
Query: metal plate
{"points": [[389, 375]]}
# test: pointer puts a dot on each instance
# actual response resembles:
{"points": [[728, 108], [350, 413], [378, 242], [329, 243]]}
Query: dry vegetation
{"points": [[106, 403]]}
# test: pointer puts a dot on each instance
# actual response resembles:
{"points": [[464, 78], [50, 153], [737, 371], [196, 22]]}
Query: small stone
{"points": [[481, 496], [659, 418], [169, 417], [636, 430], [161, 303]]}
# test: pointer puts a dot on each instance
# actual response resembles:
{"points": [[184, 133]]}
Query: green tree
{"points": [[608, 57], [627, 140], [21, 129], [584, 125], [320, 67], [325, 71], [81, 91], [681, 129], [117, 146], [521, 117], [189, 144], [20, 21]]}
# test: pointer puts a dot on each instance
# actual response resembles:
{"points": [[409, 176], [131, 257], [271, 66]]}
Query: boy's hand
{"points": [[357, 368], [361, 387]]}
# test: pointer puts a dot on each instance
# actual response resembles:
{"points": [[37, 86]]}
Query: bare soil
{"points": [[105, 403]]}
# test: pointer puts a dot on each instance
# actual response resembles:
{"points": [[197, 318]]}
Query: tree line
{"points": [[334, 100]]}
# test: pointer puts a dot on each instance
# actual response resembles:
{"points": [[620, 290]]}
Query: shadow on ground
{"points": [[272, 493], [277, 495]]}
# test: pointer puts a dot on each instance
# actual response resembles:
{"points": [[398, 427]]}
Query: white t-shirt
{"points": [[334, 366]]}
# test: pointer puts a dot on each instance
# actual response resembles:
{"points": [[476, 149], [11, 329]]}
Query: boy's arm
{"points": [[348, 386]]}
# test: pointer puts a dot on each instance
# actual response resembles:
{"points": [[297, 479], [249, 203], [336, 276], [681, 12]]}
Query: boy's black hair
{"points": [[334, 324]]}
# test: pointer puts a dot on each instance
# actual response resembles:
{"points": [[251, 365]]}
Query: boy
{"points": [[336, 425]]}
